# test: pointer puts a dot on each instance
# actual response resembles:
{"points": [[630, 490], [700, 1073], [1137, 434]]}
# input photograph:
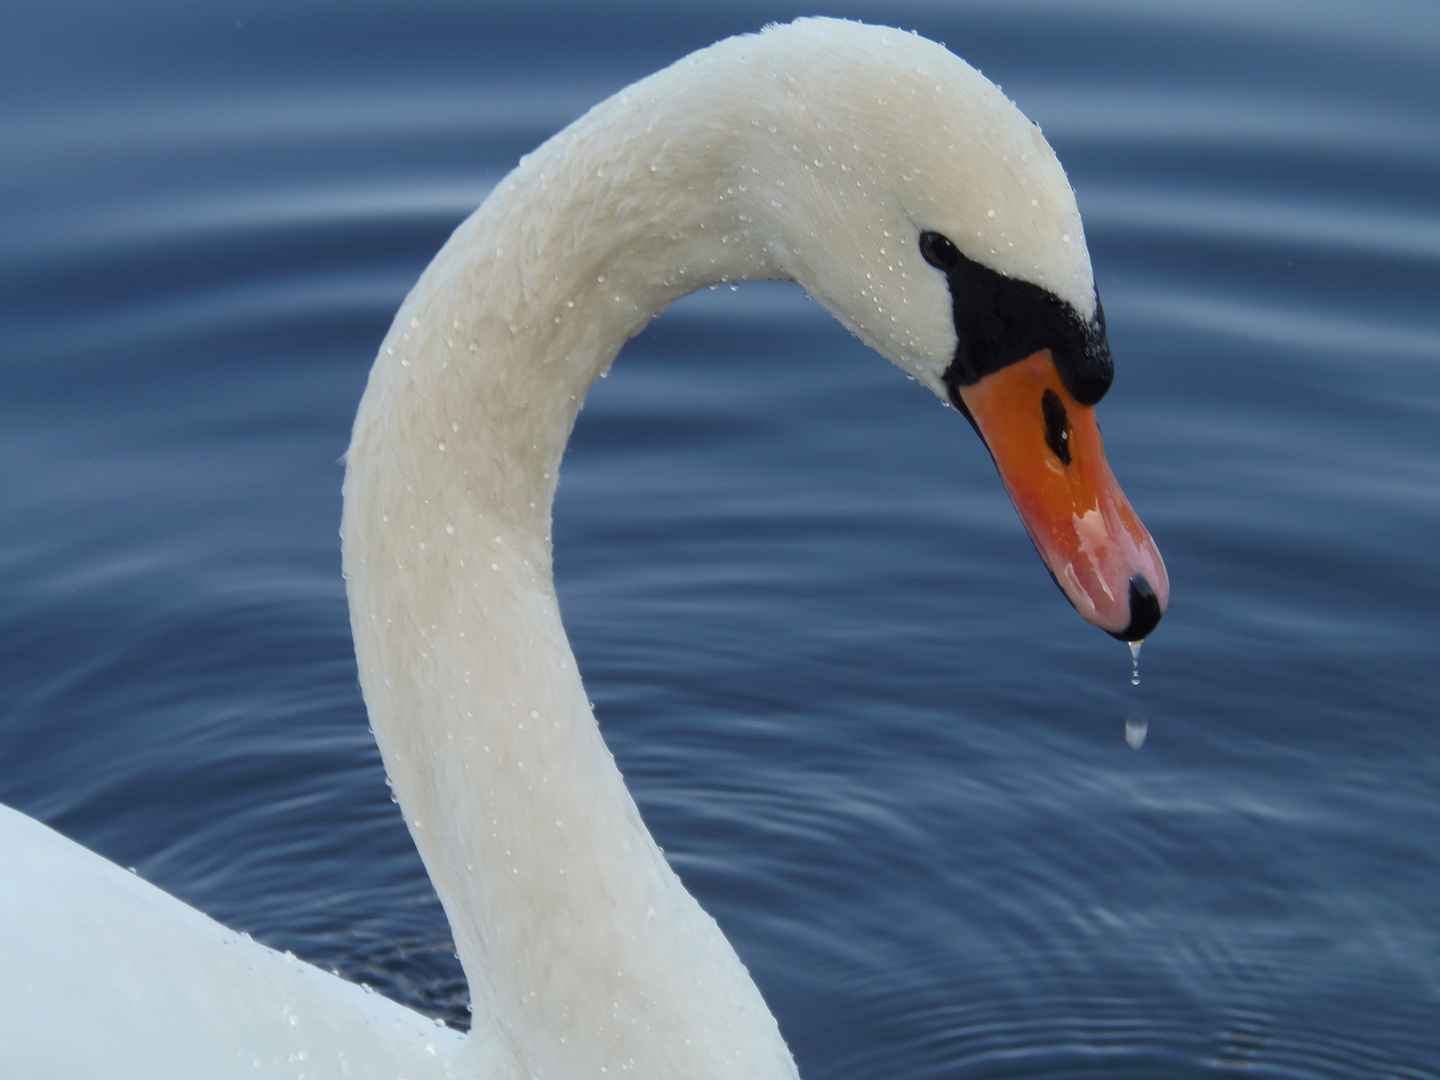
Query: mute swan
{"points": [[912, 200]]}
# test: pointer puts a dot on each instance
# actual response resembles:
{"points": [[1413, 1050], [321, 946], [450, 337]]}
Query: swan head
{"points": [[920, 206]]}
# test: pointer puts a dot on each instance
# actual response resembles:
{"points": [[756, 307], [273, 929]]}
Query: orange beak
{"points": [[1047, 448]]}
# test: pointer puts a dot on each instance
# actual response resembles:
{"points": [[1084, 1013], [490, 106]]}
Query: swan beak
{"points": [[1047, 448]]}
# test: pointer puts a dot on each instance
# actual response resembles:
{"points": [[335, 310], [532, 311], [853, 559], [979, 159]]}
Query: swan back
{"points": [[165, 991]]}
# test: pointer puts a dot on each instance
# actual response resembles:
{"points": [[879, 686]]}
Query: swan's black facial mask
{"points": [[1000, 321]]}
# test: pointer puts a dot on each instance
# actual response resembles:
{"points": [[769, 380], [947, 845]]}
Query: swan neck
{"points": [[582, 949]]}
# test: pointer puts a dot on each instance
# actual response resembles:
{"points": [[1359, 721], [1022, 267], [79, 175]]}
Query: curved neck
{"points": [[583, 951]]}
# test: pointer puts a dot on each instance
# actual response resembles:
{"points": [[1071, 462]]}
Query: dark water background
{"points": [[868, 730]]}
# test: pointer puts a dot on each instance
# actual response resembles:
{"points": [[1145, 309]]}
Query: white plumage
{"points": [[814, 152]]}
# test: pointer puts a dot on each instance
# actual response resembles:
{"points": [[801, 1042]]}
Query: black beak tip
{"points": [[1144, 610]]}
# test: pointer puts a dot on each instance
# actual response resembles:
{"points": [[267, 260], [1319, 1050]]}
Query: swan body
{"points": [[869, 165], [158, 989]]}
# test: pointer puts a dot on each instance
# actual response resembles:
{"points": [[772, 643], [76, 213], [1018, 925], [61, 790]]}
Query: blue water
{"points": [[867, 729]]}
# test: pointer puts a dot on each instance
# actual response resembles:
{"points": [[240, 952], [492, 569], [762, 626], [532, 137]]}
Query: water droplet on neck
{"points": [[1135, 663]]}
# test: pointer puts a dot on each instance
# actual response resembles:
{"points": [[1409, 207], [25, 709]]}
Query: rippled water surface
{"points": [[868, 731]]}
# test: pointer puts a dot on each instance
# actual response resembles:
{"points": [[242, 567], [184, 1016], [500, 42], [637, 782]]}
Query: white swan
{"points": [[918, 205]]}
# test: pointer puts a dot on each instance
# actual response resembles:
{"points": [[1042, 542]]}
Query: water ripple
{"points": [[868, 732]]}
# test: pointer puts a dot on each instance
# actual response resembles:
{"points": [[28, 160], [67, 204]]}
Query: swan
{"points": [[915, 202]]}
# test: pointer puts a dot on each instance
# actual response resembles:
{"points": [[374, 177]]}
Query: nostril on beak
{"points": [[1144, 610]]}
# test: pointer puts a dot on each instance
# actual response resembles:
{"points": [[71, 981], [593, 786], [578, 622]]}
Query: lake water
{"points": [[870, 734]]}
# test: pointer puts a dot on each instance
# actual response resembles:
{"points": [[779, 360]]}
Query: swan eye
{"points": [[939, 252], [1057, 425]]}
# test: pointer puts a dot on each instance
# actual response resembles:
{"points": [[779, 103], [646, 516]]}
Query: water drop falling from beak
{"points": [[1135, 663], [1136, 728]]}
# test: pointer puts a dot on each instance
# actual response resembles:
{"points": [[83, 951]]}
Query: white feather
{"points": [[815, 152]]}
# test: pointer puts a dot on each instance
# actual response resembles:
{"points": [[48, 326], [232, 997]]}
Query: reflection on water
{"points": [[867, 731]]}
